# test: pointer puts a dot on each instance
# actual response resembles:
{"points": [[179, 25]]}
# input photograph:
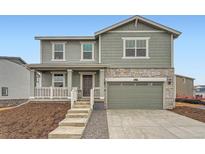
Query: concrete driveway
{"points": [[152, 124]]}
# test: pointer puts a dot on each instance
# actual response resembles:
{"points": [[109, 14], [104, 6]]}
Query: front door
{"points": [[87, 85]]}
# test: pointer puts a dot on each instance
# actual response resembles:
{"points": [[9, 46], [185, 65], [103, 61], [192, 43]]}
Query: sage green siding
{"points": [[131, 96], [159, 50], [76, 79], [72, 52], [46, 79]]}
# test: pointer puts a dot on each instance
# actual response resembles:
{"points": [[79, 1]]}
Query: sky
{"points": [[17, 37]]}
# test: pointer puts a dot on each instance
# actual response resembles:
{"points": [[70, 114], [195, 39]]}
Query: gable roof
{"points": [[17, 60], [140, 18]]}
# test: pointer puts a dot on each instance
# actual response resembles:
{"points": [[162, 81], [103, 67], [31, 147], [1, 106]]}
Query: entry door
{"points": [[87, 85]]}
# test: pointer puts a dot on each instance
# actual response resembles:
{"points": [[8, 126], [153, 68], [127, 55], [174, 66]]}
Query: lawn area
{"points": [[31, 120], [193, 111]]}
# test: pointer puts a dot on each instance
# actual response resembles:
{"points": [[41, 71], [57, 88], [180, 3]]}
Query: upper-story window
{"points": [[135, 47], [87, 51], [58, 51]]}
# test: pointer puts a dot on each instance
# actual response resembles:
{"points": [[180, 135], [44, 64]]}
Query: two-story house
{"points": [[129, 64]]}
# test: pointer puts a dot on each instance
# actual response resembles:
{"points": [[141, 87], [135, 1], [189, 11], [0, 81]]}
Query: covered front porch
{"points": [[59, 82]]}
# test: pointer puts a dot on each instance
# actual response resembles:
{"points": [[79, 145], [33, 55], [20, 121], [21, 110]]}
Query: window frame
{"points": [[135, 39], [82, 52], [7, 91], [53, 50], [53, 82]]}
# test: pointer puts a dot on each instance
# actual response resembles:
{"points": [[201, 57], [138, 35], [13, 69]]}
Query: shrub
{"points": [[191, 101]]}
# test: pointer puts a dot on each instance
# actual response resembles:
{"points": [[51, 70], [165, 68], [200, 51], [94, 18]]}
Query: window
{"points": [[4, 91], [58, 80], [135, 47], [58, 51], [87, 51]]}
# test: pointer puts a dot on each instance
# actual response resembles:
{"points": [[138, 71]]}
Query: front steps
{"points": [[73, 125], [77, 115], [76, 122], [65, 132], [79, 110]]}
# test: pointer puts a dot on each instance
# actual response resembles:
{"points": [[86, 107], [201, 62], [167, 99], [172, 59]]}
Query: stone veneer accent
{"points": [[136, 73]]}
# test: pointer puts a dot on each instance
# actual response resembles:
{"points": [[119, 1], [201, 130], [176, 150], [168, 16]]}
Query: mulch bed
{"points": [[32, 120], [191, 112]]}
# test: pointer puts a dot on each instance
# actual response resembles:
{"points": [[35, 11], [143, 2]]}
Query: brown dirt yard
{"points": [[190, 110], [31, 120]]}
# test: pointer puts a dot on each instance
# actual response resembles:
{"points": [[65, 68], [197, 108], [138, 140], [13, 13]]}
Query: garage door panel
{"points": [[131, 106], [123, 95]]}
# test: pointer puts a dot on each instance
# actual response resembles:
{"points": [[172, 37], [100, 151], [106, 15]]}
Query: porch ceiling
{"points": [[66, 66]]}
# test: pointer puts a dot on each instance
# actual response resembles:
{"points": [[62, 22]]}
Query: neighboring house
{"points": [[199, 91], [129, 64], [184, 86], [14, 79]]}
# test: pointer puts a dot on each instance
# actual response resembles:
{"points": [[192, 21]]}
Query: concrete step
{"points": [[79, 110], [77, 115], [76, 122], [82, 103], [66, 132], [81, 106]]}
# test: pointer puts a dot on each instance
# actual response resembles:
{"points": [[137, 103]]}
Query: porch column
{"points": [[102, 84], [32, 83], [69, 81]]}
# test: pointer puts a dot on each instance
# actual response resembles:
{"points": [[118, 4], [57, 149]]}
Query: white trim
{"points": [[172, 51], [135, 39], [93, 50], [53, 73], [140, 19], [152, 79], [136, 31], [136, 79], [81, 79], [40, 79], [163, 97], [53, 44], [135, 57], [136, 23], [99, 49]]}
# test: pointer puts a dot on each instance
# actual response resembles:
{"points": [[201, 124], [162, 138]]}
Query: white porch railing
{"points": [[51, 92], [73, 96], [92, 95]]}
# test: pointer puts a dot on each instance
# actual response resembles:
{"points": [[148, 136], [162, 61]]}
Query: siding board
{"points": [[159, 50]]}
